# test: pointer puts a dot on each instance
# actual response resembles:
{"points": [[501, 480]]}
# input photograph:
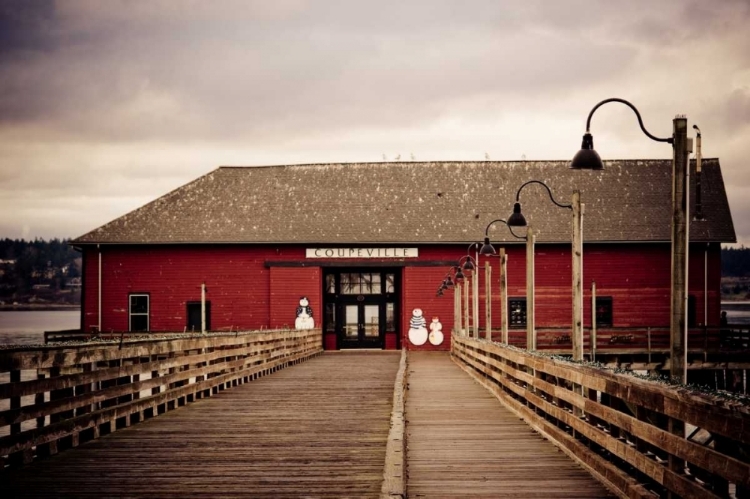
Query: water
{"points": [[738, 312], [28, 327]]}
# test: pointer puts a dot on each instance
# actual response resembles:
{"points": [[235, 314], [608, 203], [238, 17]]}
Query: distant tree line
{"points": [[735, 262], [36, 268]]}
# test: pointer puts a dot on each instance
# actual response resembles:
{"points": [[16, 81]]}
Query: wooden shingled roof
{"points": [[418, 202]]}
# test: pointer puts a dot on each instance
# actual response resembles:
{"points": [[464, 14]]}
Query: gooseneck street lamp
{"points": [[489, 250], [518, 220], [588, 158], [467, 265]]}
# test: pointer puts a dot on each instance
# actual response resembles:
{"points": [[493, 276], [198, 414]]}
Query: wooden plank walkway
{"points": [[462, 442], [318, 429]]}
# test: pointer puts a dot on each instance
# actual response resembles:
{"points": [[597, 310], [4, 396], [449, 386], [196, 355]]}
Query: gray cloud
{"points": [[105, 105]]}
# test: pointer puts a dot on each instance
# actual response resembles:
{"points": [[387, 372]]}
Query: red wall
{"points": [[245, 293], [288, 285]]}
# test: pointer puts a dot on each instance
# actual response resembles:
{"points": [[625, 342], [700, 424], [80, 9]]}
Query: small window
{"points": [[330, 318], [360, 284], [331, 284], [517, 312], [390, 283], [604, 311], [390, 316], [139, 311], [194, 316]]}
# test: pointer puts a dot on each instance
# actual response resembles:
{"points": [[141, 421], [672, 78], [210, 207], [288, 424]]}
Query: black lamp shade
{"points": [[469, 265], [459, 275], [517, 219], [587, 158], [487, 248], [447, 282], [440, 292]]}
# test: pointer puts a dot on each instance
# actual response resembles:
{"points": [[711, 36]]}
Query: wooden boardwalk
{"points": [[318, 429], [461, 442]]}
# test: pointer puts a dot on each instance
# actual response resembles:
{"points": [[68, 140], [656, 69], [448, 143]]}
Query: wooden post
{"points": [[457, 321], [488, 300], [15, 402], [475, 300], [593, 321], [203, 308], [504, 296], [577, 251], [530, 291], [466, 306], [679, 251]]}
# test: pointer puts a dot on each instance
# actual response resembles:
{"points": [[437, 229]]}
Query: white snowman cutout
{"points": [[304, 318], [417, 328], [436, 331]]}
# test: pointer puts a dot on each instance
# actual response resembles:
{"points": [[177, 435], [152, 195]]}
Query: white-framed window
{"points": [[138, 312]]}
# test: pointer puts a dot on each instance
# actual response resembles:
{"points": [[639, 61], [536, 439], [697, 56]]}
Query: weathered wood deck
{"points": [[461, 442], [318, 429]]}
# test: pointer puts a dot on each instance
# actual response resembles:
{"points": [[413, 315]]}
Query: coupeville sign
{"points": [[362, 252]]}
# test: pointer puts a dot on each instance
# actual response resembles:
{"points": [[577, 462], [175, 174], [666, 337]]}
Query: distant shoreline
{"points": [[37, 307]]}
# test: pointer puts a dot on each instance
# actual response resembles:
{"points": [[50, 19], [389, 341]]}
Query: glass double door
{"points": [[361, 324], [361, 307]]}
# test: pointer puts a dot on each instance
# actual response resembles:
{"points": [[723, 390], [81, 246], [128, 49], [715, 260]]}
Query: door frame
{"points": [[339, 301]]}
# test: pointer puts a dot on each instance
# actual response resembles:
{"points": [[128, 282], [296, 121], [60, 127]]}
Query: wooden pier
{"points": [[269, 414], [316, 430], [462, 442]]}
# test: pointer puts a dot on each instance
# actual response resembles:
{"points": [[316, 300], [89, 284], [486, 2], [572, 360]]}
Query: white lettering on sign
{"points": [[362, 252]]}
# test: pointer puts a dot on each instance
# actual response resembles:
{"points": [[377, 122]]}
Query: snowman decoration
{"points": [[436, 331], [304, 318], [417, 328]]}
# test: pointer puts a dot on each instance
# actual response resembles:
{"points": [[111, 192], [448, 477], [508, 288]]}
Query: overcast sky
{"points": [[106, 105]]}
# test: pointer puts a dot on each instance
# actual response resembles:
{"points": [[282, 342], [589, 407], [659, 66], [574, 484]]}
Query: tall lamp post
{"points": [[518, 220], [588, 159], [469, 263], [489, 250]]}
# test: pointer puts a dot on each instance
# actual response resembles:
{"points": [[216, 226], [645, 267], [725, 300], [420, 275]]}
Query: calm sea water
{"points": [[28, 327]]}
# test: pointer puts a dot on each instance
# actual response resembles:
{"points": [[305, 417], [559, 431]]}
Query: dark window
{"points": [[331, 284], [517, 312], [692, 311], [390, 283], [360, 284], [390, 316], [604, 311], [138, 312], [330, 318], [194, 316]]}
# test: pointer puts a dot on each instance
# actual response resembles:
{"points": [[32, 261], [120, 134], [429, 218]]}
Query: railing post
{"points": [[488, 300], [680, 207], [577, 251], [593, 322], [530, 291], [466, 306], [504, 296], [457, 318]]}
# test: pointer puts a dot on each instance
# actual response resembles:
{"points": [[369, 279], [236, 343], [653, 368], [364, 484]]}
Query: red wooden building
{"points": [[367, 244]]}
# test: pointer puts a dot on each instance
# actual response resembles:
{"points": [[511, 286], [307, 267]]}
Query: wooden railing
{"points": [[59, 396], [642, 340], [630, 432]]}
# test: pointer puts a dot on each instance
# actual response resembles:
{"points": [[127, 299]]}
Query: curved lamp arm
{"points": [[549, 191], [510, 229], [669, 140]]}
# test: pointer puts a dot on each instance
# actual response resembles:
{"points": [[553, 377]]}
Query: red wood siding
{"points": [[288, 284], [245, 293]]}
